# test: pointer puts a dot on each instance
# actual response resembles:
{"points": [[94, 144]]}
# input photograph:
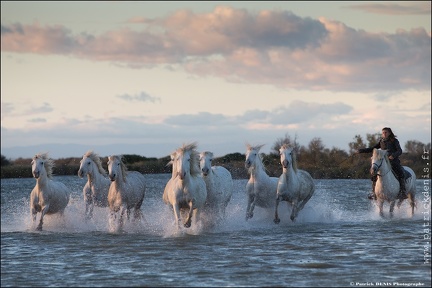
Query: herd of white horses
{"points": [[195, 187]]}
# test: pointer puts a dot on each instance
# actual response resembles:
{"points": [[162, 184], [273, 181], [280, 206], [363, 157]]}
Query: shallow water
{"points": [[338, 240]]}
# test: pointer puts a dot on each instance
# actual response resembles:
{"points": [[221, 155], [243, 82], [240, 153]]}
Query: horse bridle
{"points": [[379, 166]]}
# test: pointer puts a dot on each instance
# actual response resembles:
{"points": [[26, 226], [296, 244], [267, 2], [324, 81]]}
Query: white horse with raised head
{"points": [[295, 186], [188, 191], [387, 185], [48, 196], [219, 185], [126, 191], [95, 191], [261, 188]]}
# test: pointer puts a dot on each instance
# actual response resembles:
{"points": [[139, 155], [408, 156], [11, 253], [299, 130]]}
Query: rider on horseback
{"points": [[391, 144]]}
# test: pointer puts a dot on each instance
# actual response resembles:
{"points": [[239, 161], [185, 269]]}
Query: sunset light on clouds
{"points": [[145, 77]]}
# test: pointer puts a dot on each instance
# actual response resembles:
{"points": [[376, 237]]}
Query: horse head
{"points": [[206, 159], [379, 157], [288, 157], [186, 161], [116, 168], [42, 165], [252, 154], [86, 164]]}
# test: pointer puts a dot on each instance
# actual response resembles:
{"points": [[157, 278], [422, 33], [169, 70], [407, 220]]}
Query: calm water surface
{"points": [[337, 240]]}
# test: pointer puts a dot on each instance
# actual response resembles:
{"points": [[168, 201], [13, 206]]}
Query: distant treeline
{"points": [[319, 161]]}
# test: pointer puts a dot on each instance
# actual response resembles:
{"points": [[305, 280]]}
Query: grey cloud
{"points": [[37, 120], [406, 8], [254, 116], [141, 97], [120, 133], [7, 29], [200, 119], [7, 108], [383, 97], [276, 28], [44, 108], [296, 112]]}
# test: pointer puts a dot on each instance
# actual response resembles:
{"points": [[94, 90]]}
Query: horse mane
{"points": [[293, 156], [194, 164], [48, 163], [96, 159], [123, 167]]}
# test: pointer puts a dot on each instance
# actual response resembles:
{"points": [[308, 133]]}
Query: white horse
{"points": [[387, 185], [188, 191], [96, 189], [261, 188], [219, 185], [126, 191], [295, 186], [48, 196]]}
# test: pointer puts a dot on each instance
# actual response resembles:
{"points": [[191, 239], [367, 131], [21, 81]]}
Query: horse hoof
{"points": [[39, 228], [276, 221], [187, 224]]}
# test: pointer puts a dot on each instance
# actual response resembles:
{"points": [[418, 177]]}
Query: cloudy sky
{"points": [[145, 77]]}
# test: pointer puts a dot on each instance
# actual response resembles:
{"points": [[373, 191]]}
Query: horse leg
{"points": [[222, 213], [392, 204], [128, 212], [43, 212], [411, 199], [121, 219], [303, 203], [89, 211], [294, 211], [33, 213], [88, 207], [177, 219], [276, 217], [138, 212], [188, 222], [380, 205], [250, 207]]}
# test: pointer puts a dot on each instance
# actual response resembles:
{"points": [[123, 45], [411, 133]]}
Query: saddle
{"points": [[407, 175]]}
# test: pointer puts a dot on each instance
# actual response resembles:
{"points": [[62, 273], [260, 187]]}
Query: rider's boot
{"points": [[402, 192], [372, 195]]}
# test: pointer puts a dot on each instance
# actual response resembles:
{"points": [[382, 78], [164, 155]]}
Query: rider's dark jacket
{"points": [[393, 148]]}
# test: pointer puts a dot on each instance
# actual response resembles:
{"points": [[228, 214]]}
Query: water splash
{"points": [[334, 201]]}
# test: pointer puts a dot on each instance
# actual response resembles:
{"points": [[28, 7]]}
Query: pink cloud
{"points": [[271, 47]]}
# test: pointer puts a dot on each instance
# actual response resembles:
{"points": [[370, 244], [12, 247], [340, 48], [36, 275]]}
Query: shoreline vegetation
{"points": [[319, 161]]}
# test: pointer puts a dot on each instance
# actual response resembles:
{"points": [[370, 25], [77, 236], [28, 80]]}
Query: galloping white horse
{"points": [[188, 191], [295, 186], [261, 188], [387, 185], [127, 190], [219, 185], [96, 189], [48, 196]]}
